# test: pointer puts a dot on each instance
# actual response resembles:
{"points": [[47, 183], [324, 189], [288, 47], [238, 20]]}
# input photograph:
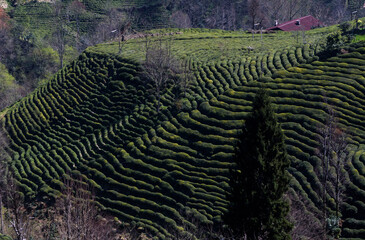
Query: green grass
{"points": [[359, 38]]}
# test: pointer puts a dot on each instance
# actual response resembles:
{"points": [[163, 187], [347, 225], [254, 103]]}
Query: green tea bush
{"points": [[97, 117]]}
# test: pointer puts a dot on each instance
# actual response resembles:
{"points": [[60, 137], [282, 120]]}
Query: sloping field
{"points": [[97, 119]]}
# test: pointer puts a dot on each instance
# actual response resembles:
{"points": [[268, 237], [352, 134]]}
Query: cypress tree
{"points": [[259, 180]]}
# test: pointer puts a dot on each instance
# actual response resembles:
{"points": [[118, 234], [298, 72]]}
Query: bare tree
{"points": [[284, 10], [147, 46], [113, 22], [293, 8], [338, 159], [187, 76], [180, 19], [13, 93], [5, 39], [12, 206], [10, 197], [3, 173], [319, 10], [80, 218], [123, 32], [304, 217], [59, 40], [74, 12], [274, 10], [222, 16], [17, 214], [332, 152], [324, 154], [160, 65], [254, 11], [115, 26]]}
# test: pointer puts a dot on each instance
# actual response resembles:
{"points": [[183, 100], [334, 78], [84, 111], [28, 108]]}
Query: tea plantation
{"points": [[97, 119]]}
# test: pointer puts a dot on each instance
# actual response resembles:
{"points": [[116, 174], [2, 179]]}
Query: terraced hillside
{"points": [[97, 119]]}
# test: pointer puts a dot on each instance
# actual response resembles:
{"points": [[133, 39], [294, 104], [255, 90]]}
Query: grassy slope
{"points": [[96, 118]]}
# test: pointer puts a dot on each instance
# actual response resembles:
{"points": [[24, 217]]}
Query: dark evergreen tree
{"points": [[259, 180]]}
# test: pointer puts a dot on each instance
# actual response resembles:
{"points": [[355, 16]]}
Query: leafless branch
{"points": [[160, 65], [305, 218], [332, 152], [79, 217]]}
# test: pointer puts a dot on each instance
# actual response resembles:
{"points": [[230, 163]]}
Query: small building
{"points": [[3, 4], [300, 24]]}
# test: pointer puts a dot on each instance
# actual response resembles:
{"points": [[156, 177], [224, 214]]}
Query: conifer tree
{"points": [[257, 209]]}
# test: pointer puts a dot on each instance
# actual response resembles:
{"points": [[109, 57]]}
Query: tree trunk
{"points": [[325, 198], [337, 190], [61, 59], [147, 48], [69, 221], [78, 35], [325, 165], [2, 214], [253, 22], [158, 101]]}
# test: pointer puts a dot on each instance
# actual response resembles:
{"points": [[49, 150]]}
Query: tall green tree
{"points": [[259, 180]]}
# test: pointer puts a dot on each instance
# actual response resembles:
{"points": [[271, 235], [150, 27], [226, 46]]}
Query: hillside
{"points": [[97, 119], [224, 14], [43, 36]]}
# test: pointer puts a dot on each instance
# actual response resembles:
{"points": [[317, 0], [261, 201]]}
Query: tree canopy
{"points": [[260, 179]]}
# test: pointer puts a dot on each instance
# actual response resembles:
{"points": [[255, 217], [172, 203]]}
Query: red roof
{"points": [[303, 23]]}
